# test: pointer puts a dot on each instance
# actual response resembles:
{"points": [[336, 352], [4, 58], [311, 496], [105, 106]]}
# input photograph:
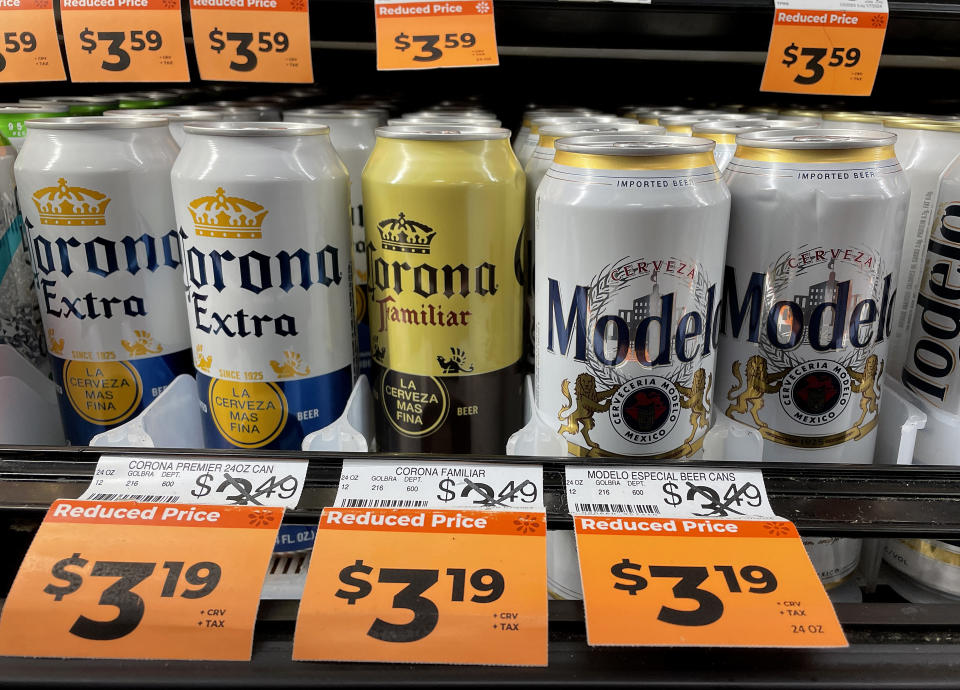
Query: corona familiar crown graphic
{"points": [[227, 216], [66, 205], [402, 235]]}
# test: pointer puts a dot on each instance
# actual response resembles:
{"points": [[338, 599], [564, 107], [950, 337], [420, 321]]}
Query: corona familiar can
{"points": [[352, 133], [931, 366], [444, 211], [631, 234], [96, 204], [810, 287], [263, 213]]}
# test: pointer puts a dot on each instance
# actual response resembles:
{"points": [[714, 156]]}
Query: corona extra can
{"points": [[176, 118], [933, 352], [96, 204], [816, 228], [632, 231], [931, 563], [724, 134], [444, 208], [540, 161], [931, 146], [263, 214], [352, 133]]}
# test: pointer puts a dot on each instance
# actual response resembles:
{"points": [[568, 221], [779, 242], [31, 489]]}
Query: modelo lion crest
{"points": [[758, 383]]}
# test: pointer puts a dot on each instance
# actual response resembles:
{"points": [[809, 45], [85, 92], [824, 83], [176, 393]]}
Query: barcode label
{"points": [[616, 508], [380, 503], [133, 497]]}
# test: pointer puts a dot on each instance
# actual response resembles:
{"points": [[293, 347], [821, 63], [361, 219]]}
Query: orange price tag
{"points": [[140, 581], [29, 49], [683, 582], [252, 40], [818, 48], [428, 586], [131, 40], [426, 35]]}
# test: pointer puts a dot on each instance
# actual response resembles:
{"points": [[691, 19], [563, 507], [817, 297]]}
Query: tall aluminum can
{"points": [[815, 233], [96, 203], [263, 214], [790, 113], [353, 134], [14, 116], [933, 352], [842, 119], [78, 105], [650, 115], [176, 118], [540, 161], [445, 254], [526, 148], [529, 115], [449, 120], [933, 145], [683, 123], [632, 233], [933, 564], [724, 134], [146, 99]]}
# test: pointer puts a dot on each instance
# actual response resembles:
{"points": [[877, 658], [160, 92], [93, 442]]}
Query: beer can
{"points": [[146, 99], [931, 147], [444, 210], [96, 204], [683, 124], [527, 147], [632, 231], [762, 110], [649, 114], [841, 119], [233, 113], [931, 563], [14, 117], [265, 112], [263, 213], [790, 113], [352, 133], [834, 558], [79, 105], [816, 228], [528, 116], [540, 161], [724, 134], [930, 368], [450, 120], [465, 116], [794, 123], [381, 111], [177, 118]]}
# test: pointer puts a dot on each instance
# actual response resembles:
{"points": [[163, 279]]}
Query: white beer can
{"points": [[263, 213], [529, 115], [933, 352], [934, 145], [177, 118], [724, 134], [841, 119], [353, 135], [683, 124], [933, 564], [96, 204], [536, 168], [835, 558], [816, 228], [529, 144], [632, 231]]}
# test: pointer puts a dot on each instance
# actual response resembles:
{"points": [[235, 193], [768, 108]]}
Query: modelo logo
{"points": [[223, 216], [410, 237], [932, 360], [684, 341], [67, 206]]}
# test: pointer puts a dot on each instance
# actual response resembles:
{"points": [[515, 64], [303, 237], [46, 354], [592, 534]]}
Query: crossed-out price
{"points": [[430, 47], [120, 44], [810, 61], [245, 48]]}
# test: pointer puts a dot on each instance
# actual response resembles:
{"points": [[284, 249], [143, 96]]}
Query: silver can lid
{"points": [[332, 113], [28, 108], [442, 132], [256, 129], [445, 114], [599, 128], [96, 122], [694, 118], [452, 120], [634, 145], [729, 126], [167, 113], [821, 139], [794, 123], [578, 117], [87, 100]]}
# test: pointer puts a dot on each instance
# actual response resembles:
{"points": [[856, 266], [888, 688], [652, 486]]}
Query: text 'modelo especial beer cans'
{"points": [[631, 237], [444, 221], [930, 369], [96, 204], [263, 214], [810, 287], [352, 133]]}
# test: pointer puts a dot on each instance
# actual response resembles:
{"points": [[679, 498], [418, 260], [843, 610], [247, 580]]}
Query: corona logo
{"points": [[227, 216], [402, 235], [66, 205]]}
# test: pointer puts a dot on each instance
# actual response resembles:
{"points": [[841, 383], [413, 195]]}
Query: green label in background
{"points": [[13, 127]]}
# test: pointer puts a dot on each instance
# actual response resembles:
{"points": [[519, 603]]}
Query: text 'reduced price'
{"points": [[423, 35], [429, 586], [140, 580], [700, 582], [130, 41], [818, 48], [252, 40], [29, 47]]}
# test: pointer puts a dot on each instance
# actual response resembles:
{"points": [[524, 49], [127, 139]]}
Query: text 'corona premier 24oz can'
{"points": [[631, 233], [816, 228], [444, 228], [96, 203], [263, 213]]}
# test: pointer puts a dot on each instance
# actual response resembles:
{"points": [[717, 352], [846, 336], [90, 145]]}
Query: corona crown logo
{"points": [[66, 205], [402, 235], [227, 216]]}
